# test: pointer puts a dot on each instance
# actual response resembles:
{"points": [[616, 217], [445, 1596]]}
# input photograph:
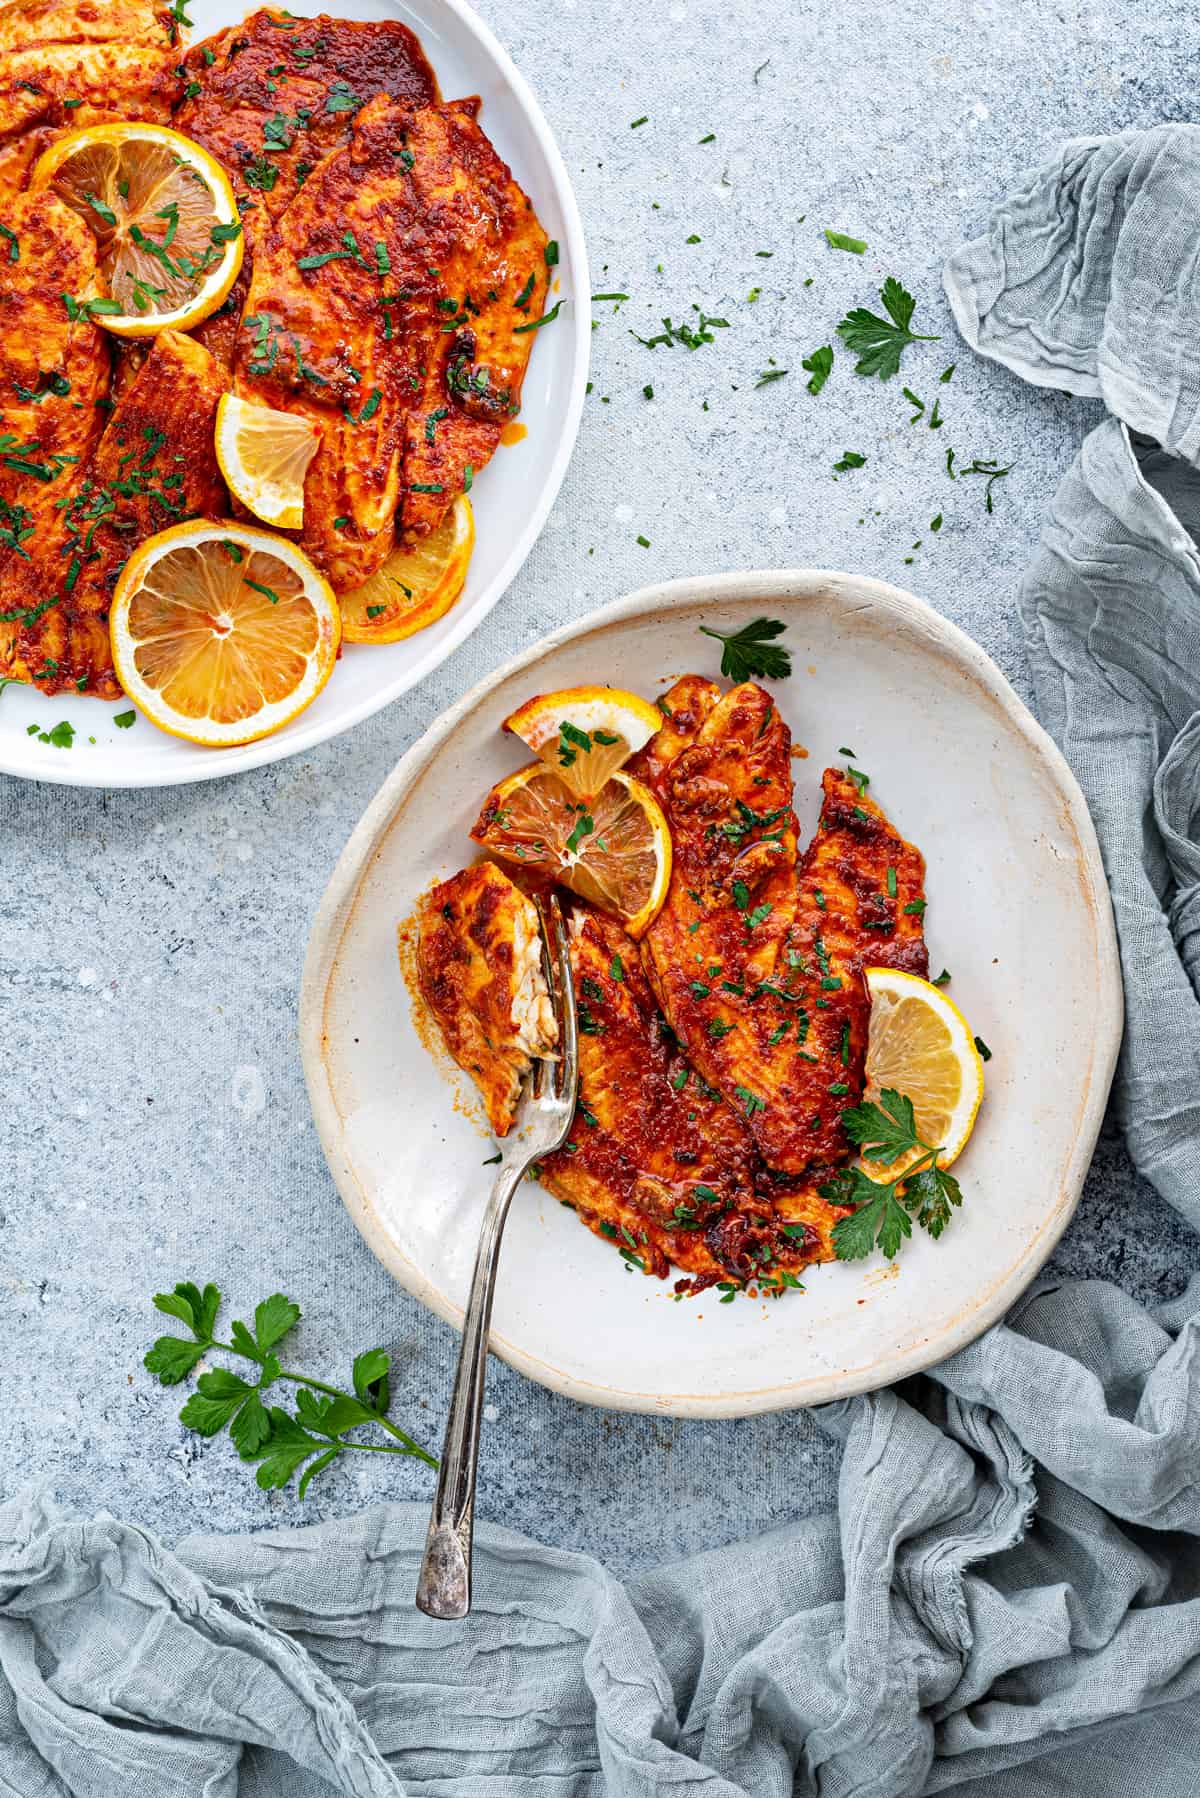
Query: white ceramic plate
{"points": [[1018, 911], [512, 497]]}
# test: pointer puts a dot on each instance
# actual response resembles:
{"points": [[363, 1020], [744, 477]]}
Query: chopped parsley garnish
{"points": [[368, 412], [644, 120], [819, 367], [985, 1054], [14, 243], [837, 240], [751, 654], [750, 1101], [125, 720], [915, 908], [547, 318], [342, 98], [684, 334], [260, 174], [770, 374], [942, 979], [584, 826], [992, 470], [879, 342], [850, 459], [259, 587]]}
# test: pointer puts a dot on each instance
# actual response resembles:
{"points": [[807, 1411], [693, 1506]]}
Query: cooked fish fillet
{"points": [[82, 22], [479, 966], [862, 884], [768, 1011], [358, 318], [489, 251], [656, 1161], [155, 466], [271, 97], [54, 382], [65, 63]]}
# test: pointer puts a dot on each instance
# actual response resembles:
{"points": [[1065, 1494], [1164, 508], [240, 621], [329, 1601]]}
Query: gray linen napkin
{"points": [[1010, 1592]]}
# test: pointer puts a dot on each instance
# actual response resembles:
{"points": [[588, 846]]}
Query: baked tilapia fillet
{"points": [[479, 967]]}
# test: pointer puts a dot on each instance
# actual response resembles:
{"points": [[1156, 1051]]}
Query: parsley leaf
{"points": [[749, 654], [850, 459], [879, 342], [819, 366], [884, 1209], [885, 1131], [282, 1443], [837, 240]]}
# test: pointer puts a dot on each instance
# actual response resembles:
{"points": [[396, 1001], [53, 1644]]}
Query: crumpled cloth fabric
{"points": [[1009, 1594]]}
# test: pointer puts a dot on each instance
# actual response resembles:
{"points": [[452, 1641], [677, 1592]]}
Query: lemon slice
{"points": [[613, 849], [584, 734], [921, 1045], [167, 228], [222, 634], [264, 457], [417, 584]]}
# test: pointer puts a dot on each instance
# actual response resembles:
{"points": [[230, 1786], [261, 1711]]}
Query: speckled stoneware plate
{"points": [[1018, 911], [512, 497]]}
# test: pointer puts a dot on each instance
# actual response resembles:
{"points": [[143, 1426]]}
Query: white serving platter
{"points": [[512, 497], [1018, 911]]}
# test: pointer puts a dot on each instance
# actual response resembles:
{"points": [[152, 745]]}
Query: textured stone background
{"points": [[155, 1124]]}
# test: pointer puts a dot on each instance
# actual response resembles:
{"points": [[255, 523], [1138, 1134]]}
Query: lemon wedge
{"points": [[417, 584], [920, 1044], [613, 849], [264, 457], [585, 734]]}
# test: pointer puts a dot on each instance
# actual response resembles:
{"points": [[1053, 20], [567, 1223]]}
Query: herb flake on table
{"points": [[818, 366], [837, 240], [282, 1442], [751, 653], [850, 459], [879, 342]]}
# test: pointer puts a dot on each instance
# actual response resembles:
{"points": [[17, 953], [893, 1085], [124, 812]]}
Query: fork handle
{"points": [[444, 1585]]}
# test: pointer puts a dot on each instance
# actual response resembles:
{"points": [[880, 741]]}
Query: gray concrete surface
{"points": [[151, 944]]}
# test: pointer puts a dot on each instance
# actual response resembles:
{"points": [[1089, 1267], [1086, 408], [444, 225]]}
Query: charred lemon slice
{"points": [[921, 1045], [222, 634], [167, 228], [417, 584], [613, 849], [584, 734]]}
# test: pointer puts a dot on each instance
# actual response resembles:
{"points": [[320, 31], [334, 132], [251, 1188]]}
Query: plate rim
{"points": [[338, 901], [272, 749]]}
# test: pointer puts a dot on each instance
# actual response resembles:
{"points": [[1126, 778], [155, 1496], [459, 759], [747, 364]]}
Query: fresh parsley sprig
{"points": [[750, 654], [281, 1442], [879, 342], [884, 1209]]}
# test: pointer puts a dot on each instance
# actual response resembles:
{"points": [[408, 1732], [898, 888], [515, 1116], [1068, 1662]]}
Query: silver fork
{"points": [[543, 1123]]}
